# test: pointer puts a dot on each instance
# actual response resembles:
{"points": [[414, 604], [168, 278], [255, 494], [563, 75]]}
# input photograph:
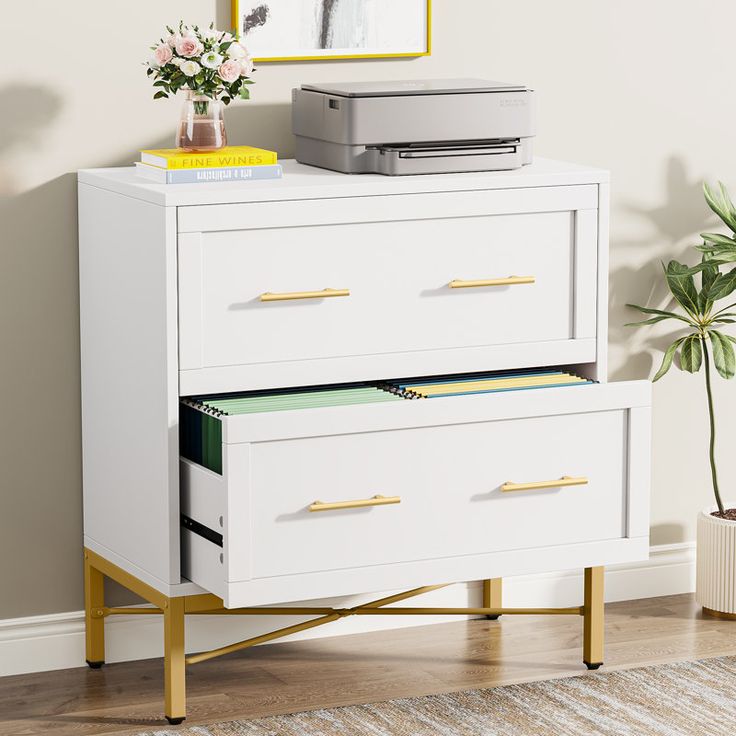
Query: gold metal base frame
{"points": [[174, 610]]}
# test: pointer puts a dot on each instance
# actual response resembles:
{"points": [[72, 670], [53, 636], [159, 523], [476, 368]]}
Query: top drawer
{"points": [[467, 274]]}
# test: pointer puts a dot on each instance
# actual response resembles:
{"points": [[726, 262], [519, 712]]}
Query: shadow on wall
{"points": [[675, 225], [25, 111], [39, 322], [264, 126], [667, 533]]}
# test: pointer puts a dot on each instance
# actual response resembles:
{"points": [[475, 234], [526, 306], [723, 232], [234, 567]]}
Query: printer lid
{"points": [[391, 88]]}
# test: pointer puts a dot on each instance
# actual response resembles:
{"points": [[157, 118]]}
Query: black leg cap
{"points": [[593, 665], [95, 665], [175, 721], [494, 617]]}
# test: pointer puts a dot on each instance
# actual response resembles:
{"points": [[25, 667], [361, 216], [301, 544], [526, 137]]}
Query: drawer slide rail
{"points": [[175, 609]]}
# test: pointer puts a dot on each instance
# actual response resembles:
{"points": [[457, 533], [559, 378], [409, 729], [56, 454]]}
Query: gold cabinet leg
{"points": [[94, 623], [493, 595], [174, 674], [593, 618]]}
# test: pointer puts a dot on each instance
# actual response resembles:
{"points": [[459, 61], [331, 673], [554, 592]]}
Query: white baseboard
{"points": [[56, 641]]}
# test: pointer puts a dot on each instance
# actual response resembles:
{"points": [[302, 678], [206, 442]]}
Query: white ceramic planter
{"points": [[715, 586]]}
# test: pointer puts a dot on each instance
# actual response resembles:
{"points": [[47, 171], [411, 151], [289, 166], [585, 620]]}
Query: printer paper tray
{"points": [[396, 160]]}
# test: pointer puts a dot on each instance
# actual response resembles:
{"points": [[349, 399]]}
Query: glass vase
{"points": [[202, 124]]}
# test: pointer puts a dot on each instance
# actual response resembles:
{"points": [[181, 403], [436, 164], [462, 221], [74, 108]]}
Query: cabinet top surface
{"points": [[308, 182]]}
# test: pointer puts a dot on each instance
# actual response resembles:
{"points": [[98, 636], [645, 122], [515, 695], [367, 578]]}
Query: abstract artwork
{"points": [[282, 30]]}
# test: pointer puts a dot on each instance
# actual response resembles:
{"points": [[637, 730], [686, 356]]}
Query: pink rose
{"points": [[188, 46], [163, 54], [229, 71]]}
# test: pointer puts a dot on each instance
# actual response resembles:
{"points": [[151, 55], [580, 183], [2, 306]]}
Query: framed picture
{"points": [[298, 30]]}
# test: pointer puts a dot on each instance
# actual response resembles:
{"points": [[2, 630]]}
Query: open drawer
{"points": [[448, 489]]}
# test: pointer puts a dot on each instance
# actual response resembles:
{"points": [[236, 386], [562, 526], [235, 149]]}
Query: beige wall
{"points": [[642, 88]]}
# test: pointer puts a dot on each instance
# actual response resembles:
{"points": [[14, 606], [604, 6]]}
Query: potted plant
{"points": [[705, 345]]}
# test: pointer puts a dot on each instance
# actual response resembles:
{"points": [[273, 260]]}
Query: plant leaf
{"points": [[650, 321], [691, 356], [718, 239], [720, 207], [708, 276], [726, 201], [682, 285], [723, 354], [724, 284], [663, 312], [667, 359]]}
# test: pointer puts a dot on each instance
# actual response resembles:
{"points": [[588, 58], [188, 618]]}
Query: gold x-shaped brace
{"points": [[175, 609]]}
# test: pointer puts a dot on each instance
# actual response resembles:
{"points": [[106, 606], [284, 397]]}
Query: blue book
{"points": [[203, 176]]}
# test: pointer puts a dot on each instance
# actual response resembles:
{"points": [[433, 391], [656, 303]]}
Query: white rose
{"points": [[225, 37], [211, 60], [176, 61], [190, 68], [246, 66], [236, 51], [209, 34]]}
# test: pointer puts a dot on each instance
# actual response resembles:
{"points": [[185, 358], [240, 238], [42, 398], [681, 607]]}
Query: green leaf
{"points": [[723, 354], [724, 284], [225, 46], [650, 321], [726, 199], [709, 270], [708, 276], [691, 356], [718, 239], [244, 93], [722, 206], [722, 321], [719, 253], [159, 95], [662, 312], [680, 280], [667, 359]]}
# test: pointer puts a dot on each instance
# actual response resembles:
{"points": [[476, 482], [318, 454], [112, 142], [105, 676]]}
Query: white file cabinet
{"points": [[184, 293]]}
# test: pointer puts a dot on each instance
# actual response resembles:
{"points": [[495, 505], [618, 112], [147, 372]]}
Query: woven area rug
{"points": [[686, 698]]}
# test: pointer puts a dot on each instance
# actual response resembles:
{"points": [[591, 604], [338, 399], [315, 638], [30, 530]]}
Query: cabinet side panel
{"points": [[127, 265], [601, 368]]}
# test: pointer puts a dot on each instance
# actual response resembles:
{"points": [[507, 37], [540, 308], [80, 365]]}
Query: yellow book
{"points": [[229, 156]]}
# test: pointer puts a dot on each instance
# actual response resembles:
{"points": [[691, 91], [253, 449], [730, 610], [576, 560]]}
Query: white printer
{"points": [[414, 127]]}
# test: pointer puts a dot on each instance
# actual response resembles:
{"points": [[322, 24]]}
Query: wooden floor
{"points": [[283, 678]]}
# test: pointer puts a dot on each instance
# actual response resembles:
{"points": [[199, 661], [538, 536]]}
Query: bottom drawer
{"points": [[334, 501]]}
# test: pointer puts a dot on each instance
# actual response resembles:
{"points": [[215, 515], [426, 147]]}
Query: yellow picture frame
{"points": [[235, 19]]}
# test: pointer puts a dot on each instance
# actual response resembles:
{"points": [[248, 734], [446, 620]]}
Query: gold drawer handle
{"points": [[566, 480], [357, 504], [508, 281], [287, 295]]}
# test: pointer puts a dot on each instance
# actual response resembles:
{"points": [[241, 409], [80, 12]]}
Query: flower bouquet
{"points": [[212, 68]]}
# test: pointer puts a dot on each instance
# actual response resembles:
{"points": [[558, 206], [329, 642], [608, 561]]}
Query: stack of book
{"points": [[231, 163]]}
